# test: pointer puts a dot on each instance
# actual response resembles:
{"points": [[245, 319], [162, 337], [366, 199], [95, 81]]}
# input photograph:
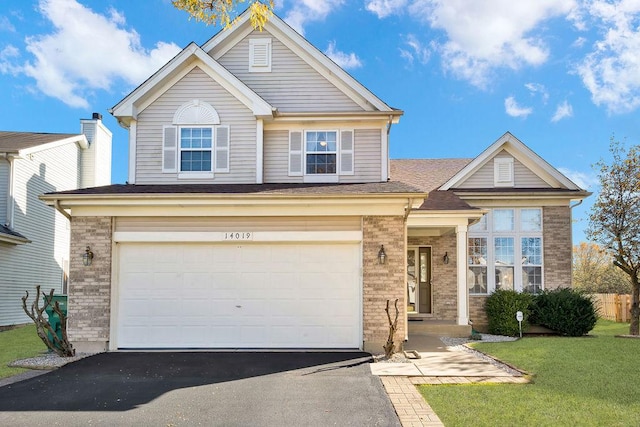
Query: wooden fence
{"points": [[614, 307]]}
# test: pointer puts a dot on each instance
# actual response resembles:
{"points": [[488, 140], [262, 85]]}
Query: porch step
{"points": [[438, 328]]}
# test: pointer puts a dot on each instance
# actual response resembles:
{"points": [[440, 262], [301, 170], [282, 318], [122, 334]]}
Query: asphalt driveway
{"points": [[203, 388]]}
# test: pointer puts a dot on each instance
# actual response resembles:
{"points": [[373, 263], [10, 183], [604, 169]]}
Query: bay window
{"points": [[505, 251]]}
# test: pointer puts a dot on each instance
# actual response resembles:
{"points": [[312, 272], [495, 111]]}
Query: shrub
{"points": [[502, 307], [567, 311]]}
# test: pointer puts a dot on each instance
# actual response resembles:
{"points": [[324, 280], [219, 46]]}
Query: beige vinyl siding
{"points": [[4, 189], [292, 85], [523, 176], [40, 262], [209, 224], [367, 161], [276, 158], [242, 127]]}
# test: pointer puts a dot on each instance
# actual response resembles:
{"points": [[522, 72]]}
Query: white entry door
{"points": [[186, 295]]}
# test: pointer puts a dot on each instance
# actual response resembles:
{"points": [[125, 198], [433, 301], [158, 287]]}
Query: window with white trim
{"points": [[505, 251], [321, 152], [321, 155], [195, 145]]}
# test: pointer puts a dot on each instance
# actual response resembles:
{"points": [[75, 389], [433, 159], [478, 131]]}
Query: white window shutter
{"points": [[222, 149], [295, 153], [346, 152], [503, 172], [169, 149]]}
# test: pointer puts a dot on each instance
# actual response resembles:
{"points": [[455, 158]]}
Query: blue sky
{"points": [[562, 75]]}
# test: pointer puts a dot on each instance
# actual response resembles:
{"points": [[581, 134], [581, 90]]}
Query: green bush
{"points": [[567, 311], [502, 307]]}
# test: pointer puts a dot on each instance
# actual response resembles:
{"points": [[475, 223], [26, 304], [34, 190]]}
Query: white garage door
{"points": [[239, 296]]}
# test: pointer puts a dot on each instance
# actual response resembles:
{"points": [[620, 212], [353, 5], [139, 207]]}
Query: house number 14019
{"points": [[238, 236]]}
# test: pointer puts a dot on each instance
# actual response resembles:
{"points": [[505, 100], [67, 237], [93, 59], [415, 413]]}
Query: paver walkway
{"points": [[442, 366]]}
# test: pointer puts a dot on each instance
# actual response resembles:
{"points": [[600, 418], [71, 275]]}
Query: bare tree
{"points": [[614, 221], [389, 347], [594, 272], [225, 12], [60, 345]]}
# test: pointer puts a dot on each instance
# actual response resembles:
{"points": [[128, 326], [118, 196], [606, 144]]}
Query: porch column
{"points": [[463, 291]]}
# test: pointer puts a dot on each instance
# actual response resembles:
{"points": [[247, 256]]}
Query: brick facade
{"points": [[382, 282], [557, 241], [557, 253], [90, 287], [444, 280]]}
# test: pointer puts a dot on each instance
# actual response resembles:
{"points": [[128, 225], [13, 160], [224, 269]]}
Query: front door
{"points": [[419, 279]]}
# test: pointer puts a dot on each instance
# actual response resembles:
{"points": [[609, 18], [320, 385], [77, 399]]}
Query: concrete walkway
{"points": [[437, 364]]}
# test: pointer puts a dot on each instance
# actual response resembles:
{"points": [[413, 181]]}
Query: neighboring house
{"points": [[260, 211], [34, 239]]}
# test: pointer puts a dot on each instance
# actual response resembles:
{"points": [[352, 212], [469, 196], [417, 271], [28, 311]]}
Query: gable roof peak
{"points": [[225, 39], [519, 151]]}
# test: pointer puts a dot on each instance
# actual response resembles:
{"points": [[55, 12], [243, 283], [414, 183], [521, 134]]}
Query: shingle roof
{"points": [[255, 189], [15, 141], [426, 174], [6, 230]]}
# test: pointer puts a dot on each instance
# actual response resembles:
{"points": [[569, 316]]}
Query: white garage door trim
{"points": [[355, 342], [239, 236]]}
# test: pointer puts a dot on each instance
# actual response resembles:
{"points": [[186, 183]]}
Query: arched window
{"points": [[195, 145]]}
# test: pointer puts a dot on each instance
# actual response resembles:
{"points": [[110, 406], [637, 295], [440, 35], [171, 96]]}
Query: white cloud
{"points": [[304, 11], [611, 72], [483, 35], [87, 51], [384, 8], [538, 89], [6, 25], [344, 60], [415, 51], [7, 55], [563, 111], [514, 110], [581, 179]]}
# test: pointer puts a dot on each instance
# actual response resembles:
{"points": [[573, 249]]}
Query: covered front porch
{"points": [[437, 291]]}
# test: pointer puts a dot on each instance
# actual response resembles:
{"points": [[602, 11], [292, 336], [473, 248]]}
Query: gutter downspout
{"points": [[577, 204], [389, 123], [56, 204]]}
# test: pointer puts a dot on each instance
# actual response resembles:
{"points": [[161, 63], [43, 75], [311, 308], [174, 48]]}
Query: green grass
{"points": [[589, 381], [19, 343]]}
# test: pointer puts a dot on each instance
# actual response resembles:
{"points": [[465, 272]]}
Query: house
{"points": [[34, 239], [262, 211]]}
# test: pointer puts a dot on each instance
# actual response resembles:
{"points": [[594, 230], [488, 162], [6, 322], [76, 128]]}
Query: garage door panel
{"points": [[252, 295]]}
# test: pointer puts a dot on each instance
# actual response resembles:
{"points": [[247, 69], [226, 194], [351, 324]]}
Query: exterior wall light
{"points": [[87, 257], [382, 255], [445, 258]]}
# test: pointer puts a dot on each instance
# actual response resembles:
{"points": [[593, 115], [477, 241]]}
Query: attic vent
{"points": [[503, 172], [260, 55]]}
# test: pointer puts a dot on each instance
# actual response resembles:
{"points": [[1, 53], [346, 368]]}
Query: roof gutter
{"points": [[56, 204]]}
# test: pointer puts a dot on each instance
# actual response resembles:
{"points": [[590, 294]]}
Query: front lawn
{"points": [[19, 343], [590, 381]]}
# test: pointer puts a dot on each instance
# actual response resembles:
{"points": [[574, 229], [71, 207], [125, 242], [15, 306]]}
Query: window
{"points": [[321, 155], [477, 275], [196, 145], [505, 251], [195, 149], [321, 152]]}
